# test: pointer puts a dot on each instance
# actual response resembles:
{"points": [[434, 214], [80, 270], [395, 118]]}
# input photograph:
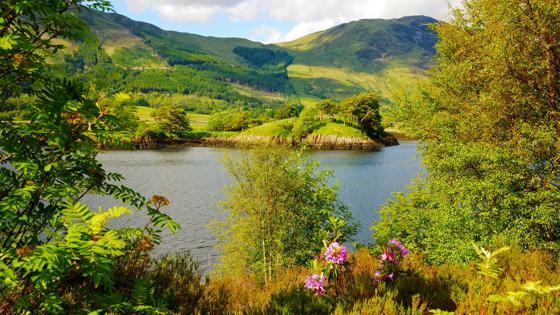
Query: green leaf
{"points": [[6, 42]]}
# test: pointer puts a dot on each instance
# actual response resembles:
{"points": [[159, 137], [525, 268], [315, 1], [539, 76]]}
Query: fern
{"points": [[141, 292], [488, 267], [528, 289], [488, 262]]}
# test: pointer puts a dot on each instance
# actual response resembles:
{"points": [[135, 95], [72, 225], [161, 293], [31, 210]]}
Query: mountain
{"points": [[116, 32], [338, 62], [371, 54], [368, 45]]}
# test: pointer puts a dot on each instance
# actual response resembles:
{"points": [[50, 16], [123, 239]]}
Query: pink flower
{"points": [[396, 243], [316, 283], [390, 260], [336, 253], [388, 256], [404, 251], [390, 276], [377, 277]]}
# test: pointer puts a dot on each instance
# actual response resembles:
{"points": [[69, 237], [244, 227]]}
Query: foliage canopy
{"points": [[49, 241], [489, 126]]}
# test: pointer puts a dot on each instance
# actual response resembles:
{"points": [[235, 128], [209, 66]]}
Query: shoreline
{"points": [[316, 142]]}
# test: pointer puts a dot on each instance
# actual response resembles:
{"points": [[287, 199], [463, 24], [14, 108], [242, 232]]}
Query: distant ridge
{"points": [[369, 44], [337, 62]]}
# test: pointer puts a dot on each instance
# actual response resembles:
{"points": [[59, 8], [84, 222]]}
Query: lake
{"points": [[193, 180]]}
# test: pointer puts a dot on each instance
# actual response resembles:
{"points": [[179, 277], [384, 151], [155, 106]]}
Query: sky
{"points": [[270, 21]]}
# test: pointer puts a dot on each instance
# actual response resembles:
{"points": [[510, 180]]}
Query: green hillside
{"points": [[117, 31], [330, 82], [365, 55], [368, 45], [124, 55], [339, 62], [209, 75]]}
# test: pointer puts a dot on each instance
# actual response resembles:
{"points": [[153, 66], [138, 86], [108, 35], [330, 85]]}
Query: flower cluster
{"points": [[390, 260], [336, 253], [316, 283], [396, 243], [335, 256]]}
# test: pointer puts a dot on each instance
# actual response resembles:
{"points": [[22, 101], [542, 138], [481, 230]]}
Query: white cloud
{"points": [[266, 34], [309, 12], [244, 11], [306, 15], [192, 13], [317, 10], [304, 28]]}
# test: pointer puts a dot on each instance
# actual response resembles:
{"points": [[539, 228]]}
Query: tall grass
{"points": [[418, 289], [176, 285]]}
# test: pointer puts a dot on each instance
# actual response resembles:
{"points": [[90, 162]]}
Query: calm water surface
{"points": [[193, 179]]}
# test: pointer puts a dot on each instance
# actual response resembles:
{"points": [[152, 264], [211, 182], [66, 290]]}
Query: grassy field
{"points": [[278, 128], [248, 91], [309, 101], [275, 128], [340, 130], [145, 114], [198, 121], [337, 82]]}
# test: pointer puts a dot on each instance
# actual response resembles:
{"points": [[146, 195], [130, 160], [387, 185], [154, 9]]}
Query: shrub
{"points": [[279, 212]]}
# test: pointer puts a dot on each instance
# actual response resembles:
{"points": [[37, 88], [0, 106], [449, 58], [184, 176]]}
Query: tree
{"points": [[279, 208], [27, 30], [291, 108], [229, 121], [239, 122], [326, 107], [307, 122], [173, 120], [489, 126], [50, 243], [125, 118], [363, 109]]}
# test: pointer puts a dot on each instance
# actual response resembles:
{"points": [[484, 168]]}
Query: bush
{"points": [[307, 122], [173, 283], [420, 288], [279, 212], [489, 135], [230, 121]]}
